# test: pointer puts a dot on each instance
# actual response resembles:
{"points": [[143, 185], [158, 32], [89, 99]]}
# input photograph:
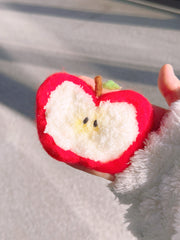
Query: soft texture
{"points": [[67, 107], [121, 113], [151, 184]]}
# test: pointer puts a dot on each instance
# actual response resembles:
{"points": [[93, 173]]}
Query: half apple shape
{"points": [[77, 127]]}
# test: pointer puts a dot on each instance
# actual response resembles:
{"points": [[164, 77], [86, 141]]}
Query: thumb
{"points": [[169, 84]]}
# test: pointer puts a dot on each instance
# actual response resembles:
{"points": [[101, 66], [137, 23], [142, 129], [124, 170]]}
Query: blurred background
{"points": [[123, 40]]}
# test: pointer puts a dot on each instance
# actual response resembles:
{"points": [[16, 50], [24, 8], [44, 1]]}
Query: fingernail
{"points": [[171, 68]]}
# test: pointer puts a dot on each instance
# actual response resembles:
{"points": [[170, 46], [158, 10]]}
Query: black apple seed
{"points": [[85, 120], [95, 124]]}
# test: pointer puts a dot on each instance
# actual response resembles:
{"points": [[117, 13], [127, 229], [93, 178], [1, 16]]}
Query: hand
{"points": [[169, 86]]}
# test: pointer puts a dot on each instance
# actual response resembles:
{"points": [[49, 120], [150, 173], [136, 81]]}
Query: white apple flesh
{"points": [[100, 133]]}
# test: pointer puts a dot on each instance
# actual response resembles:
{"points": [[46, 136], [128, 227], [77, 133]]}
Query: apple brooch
{"points": [[79, 125]]}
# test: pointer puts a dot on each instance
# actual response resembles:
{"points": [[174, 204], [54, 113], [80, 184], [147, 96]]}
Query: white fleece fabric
{"points": [[151, 184]]}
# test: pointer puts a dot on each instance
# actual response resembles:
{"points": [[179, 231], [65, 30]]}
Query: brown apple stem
{"points": [[98, 86]]}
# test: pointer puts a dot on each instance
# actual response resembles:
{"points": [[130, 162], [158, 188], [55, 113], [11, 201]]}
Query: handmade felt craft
{"points": [[79, 125]]}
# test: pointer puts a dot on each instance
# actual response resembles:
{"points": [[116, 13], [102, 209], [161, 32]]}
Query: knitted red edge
{"points": [[144, 118]]}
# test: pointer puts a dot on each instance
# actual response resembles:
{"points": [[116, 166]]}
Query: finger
{"points": [[169, 84], [107, 176], [88, 80], [158, 113]]}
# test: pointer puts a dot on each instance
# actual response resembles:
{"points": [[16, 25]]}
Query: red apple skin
{"points": [[144, 118]]}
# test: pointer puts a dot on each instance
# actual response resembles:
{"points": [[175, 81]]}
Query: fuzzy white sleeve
{"points": [[161, 153], [151, 184]]}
